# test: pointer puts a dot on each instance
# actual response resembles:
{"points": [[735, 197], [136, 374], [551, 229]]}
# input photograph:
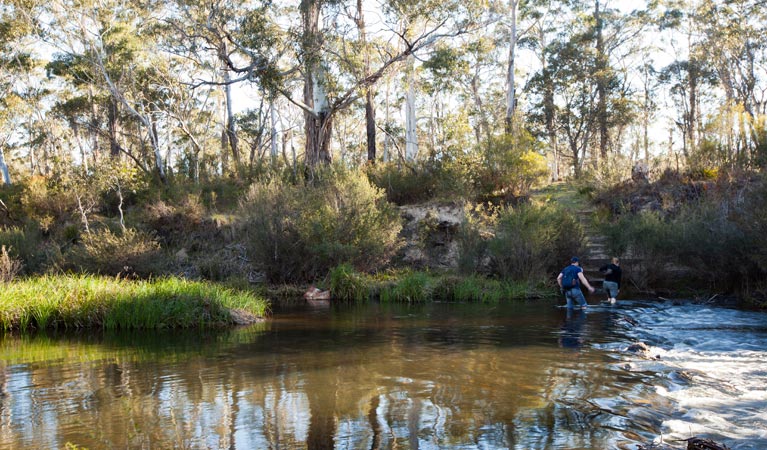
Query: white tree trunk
{"points": [[386, 121], [411, 134], [273, 120], [4, 169], [510, 94]]}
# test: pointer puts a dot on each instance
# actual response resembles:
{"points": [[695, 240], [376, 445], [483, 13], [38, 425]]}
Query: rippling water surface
{"points": [[522, 376]]}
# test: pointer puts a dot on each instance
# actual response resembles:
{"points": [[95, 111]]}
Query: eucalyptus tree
{"points": [[231, 45], [15, 61], [579, 96], [330, 87], [690, 72], [735, 39], [102, 49]]}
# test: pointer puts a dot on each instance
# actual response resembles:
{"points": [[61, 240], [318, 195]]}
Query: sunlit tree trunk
{"points": [[601, 69], [232, 141], [4, 168], [510, 94], [411, 130], [318, 124]]}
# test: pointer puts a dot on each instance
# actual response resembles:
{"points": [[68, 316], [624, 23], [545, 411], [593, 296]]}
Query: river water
{"points": [[436, 376]]}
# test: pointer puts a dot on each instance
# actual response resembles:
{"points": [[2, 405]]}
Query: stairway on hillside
{"points": [[595, 253]]}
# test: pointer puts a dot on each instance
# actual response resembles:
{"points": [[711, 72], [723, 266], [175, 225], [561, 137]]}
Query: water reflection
{"points": [[572, 329], [433, 376]]}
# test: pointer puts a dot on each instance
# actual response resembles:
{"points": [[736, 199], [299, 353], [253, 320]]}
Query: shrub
{"points": [[9, 266], [174, 222], [109, 253], [509, 166], [24, 244], [348, 284], [411, 287], [298, 232], [45, 204], [416, 182], [709, 244], [529, 242]]}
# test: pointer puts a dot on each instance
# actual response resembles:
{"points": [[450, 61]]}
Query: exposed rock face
{"points": [[429, 231]]}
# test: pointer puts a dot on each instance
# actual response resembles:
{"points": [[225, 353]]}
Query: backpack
{"points": [[569, 279]]}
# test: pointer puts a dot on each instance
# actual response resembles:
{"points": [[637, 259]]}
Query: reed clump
{"points": [[87, 301], [408, 286]]}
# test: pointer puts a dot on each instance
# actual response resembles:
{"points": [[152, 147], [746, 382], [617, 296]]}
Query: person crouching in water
{"points": [[612, 283], [569, 281]]}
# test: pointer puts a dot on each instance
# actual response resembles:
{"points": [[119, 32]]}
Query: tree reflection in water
{"points": [[434, 376]]}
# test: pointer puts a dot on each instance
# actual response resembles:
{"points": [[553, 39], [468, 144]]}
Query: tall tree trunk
{"points": [[273, 128], [601, 69], [113, 123], [646, 117], [4, 168], [93, 128], [510, 94], [483, 126], [692, 118], [411, 126], [387, 143], [370, 111], [232, 141], [318, 123]]}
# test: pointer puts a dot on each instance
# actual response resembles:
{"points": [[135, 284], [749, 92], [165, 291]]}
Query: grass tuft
{"points": [[86, 301]]}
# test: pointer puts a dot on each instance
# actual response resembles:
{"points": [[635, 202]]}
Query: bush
{"points": [[174, 222], [24, 244], [108, 253], [529, 242], [714, 243], [417, 182], [46, 204], [348, 284], [508, 167], [9, 266], [298, 232]]}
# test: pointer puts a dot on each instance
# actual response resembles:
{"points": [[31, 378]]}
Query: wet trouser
{"points": [[575, 296], [611, 287]]}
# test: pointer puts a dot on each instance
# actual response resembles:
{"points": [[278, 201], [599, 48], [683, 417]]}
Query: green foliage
{"points": [[509, 166], [46, 203], [25, 244], [108, 253], [422, 181], [89, 301], [175, 222], [408, 286], [348, 284], [716, 242], [9, 266], [527, 242], [411, 287], [506, 168], [298, 232]]}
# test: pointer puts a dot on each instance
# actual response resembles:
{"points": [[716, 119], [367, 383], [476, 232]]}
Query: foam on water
{"points": [[713, 362]]}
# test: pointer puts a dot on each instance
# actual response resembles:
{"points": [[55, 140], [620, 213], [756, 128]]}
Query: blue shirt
{"points": [[572, 271]]}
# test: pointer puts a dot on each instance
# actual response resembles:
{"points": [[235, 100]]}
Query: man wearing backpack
{"points": [[569, 281]]}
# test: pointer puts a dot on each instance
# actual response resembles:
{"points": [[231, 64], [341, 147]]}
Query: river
{"points": [[522, 375]]}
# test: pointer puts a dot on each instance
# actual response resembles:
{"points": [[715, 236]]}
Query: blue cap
{"points": [[574, 259]]}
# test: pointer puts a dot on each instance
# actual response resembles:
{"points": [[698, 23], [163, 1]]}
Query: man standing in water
{"points": [[569, 281], [612, 283]]}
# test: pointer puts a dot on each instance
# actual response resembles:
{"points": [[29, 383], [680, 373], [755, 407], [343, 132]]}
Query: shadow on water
{"points": [[518, 375]]}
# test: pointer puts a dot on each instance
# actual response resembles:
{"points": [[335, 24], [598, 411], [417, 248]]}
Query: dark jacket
{"points": [[612, 273]]}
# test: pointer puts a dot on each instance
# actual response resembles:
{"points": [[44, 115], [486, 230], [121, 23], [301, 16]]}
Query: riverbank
{"points": [[87, 301]]}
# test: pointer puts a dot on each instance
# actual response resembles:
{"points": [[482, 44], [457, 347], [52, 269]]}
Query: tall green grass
{"points": [[420, 287], [84, 301]]}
